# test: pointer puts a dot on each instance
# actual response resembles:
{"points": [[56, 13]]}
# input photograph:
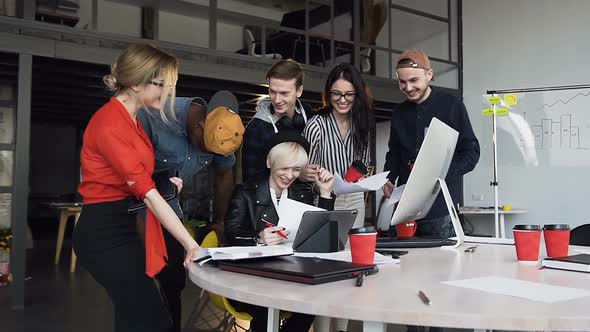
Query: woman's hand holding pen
{"points": [[325, 182], [273, 235]]}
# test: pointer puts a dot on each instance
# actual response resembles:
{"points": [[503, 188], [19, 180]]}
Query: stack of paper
{"points": [[235, 253], [346, 256], [371, 183], [522, 289], [290, 213]]}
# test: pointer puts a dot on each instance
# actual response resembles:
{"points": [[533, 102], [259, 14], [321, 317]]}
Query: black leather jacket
{"points": [[252, 203]]}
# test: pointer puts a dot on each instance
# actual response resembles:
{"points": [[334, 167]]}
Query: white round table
{"points": [[390, 296]]}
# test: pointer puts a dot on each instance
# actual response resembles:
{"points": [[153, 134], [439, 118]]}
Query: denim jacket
{"points": [[172, 146]]}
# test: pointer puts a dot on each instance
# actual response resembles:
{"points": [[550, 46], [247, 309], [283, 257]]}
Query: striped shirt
{"points": [[328, 149]]}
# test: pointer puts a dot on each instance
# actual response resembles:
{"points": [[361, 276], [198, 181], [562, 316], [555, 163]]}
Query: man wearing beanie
{"points": [[196, 136], [409, 123]]}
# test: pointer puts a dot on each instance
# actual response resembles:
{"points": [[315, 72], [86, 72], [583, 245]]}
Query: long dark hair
{"points": [[361, 108]]}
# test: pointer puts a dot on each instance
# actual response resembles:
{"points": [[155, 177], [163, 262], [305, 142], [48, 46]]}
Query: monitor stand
{"points": [[453, 213], [324, 239]]}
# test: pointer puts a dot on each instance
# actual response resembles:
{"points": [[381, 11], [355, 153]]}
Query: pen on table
{"points": [[269, 224], [424, 298], [360, 279]]}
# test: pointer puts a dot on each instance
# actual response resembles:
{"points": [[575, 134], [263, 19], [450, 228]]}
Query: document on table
{"points": [[290, 213], [346, 256], [523, 289], [484, 239], [371, 183], [396, 195], [237, 253]]}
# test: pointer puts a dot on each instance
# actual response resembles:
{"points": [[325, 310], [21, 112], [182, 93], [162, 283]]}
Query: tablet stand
{"points": [[324, 239]]}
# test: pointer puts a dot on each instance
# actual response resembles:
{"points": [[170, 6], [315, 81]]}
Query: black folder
{"points": [[307, 270], [579, 262]]}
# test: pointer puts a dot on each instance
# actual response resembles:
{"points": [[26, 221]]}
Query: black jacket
{"points": [[252, 203], [408, 125]]}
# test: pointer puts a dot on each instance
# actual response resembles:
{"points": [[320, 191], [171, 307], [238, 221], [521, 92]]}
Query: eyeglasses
{"points": [[337, 95], [160, 84]]}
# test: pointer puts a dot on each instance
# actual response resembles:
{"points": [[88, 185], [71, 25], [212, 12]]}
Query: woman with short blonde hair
{"points": [[288, 154], [117, 164], [252, 215]]}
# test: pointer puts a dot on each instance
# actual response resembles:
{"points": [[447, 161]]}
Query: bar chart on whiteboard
{"points": [[563, 133], [550, 127]]}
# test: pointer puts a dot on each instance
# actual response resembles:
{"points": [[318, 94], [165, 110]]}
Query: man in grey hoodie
{"points": [[281, 110]]}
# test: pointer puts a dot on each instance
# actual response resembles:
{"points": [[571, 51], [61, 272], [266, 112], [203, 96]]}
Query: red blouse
{"points": [[115, 151]]}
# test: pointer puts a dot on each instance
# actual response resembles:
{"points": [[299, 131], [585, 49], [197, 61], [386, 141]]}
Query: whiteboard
{"points": [[543, 158]]}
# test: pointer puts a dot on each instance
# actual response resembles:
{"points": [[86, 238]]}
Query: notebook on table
{"points": [[238, 253], [580, 262], [307, 270]]}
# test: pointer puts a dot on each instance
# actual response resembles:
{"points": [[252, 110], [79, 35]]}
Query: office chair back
{"points": [[580, 236], [251, 42]]}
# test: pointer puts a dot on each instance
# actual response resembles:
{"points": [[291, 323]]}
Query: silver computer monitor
{"points": [[432, 163]]}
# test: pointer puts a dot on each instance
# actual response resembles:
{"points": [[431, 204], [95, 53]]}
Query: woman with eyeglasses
{"points": [[117, 164], [339, 136]]}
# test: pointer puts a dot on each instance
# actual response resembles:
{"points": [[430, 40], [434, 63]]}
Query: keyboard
{"points": [[412, 242]]}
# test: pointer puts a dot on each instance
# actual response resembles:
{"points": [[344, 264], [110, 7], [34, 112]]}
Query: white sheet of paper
{"points": [[346, 256], [483, 239], [396, 195], [290, 212], [523, 289], [367, 184]]}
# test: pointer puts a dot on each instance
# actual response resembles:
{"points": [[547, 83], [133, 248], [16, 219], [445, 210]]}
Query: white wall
{"points": [[186, 30], [517, 44], [190, 29], [112, 17]]}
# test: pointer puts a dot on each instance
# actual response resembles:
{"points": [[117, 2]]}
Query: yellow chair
{"points": [[220, 302]]}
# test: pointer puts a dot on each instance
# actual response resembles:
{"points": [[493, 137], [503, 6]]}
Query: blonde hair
{"points": [[287, 154], [139, 64]]}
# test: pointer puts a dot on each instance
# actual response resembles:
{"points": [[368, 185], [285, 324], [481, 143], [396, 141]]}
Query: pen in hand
{"points": [[269, 224], [424, 298]]}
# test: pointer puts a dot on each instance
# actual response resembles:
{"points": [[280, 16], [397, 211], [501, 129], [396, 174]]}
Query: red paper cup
{"points": [[406, 229], [527, 240], [557, 240], [353, 175], [362, 245]]}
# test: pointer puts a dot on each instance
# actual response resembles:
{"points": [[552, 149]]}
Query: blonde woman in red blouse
{"points": [[117, 164]]}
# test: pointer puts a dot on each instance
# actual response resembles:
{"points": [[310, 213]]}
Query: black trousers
{"points": [[110, 249], [173, 278], [296, 323]]}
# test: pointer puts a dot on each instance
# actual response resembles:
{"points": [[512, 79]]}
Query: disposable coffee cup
{"points": [[355, 172], [557, 239], [527, 240], [362, 245], [406, 229]]}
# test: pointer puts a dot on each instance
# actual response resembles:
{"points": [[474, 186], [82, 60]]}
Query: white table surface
{"points": [[390, 296]]}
